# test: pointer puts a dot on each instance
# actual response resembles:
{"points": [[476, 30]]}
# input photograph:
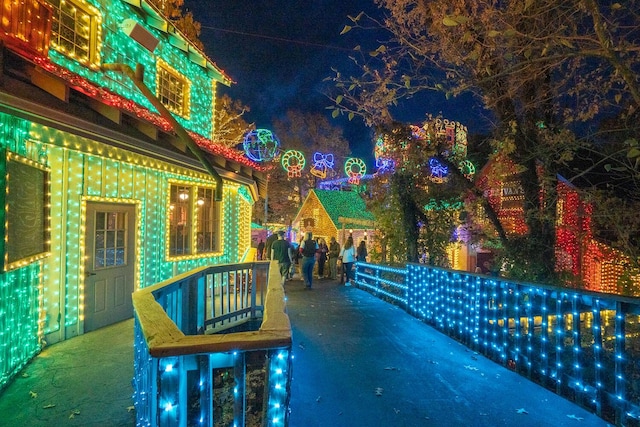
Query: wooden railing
{"points": [[191, 364], [582, 345]]}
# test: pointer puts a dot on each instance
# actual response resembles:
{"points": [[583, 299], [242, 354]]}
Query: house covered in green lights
{"points": [[111, 180], [333, 213]]}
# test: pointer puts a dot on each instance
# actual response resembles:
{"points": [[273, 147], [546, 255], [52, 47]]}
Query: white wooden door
{"points": [[109, 264]]}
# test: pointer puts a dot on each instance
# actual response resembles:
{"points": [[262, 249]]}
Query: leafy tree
{"points": [[185, 22], [229, 126], [416, 207], [537, 66]]}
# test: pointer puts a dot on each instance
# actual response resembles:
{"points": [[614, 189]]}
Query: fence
{"points": [[200, 359], [582, 345]]}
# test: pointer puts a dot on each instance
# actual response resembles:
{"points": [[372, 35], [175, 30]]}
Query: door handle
{"points": [[88, 273]]}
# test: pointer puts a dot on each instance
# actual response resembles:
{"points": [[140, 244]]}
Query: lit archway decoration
{"points": [[293, 162], [261, 145], [355, 169], [321, 164]]}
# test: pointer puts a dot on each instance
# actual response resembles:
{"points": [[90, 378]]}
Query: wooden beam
{"points": [[50, 84], [111, 113], [356, 221]]}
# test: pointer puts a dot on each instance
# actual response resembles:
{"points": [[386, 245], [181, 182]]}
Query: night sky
{"points": [[279, 51]]}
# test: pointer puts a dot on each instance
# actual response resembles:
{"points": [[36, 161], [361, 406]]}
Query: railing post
{"points": [[577, 349], [620, 362], [597, 353], [254, 284]]}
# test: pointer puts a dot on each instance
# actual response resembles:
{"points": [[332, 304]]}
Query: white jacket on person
{"points": [[348, 255]]}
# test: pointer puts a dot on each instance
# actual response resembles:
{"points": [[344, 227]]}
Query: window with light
{"points": [[173, 89], [194, 220], [75, 30], [207, 221]]}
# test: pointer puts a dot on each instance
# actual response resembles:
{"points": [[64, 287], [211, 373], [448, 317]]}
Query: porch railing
{"points": [[213, 347], [582, 345]]}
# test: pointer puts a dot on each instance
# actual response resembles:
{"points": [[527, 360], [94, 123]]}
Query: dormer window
{"points": [[173, 89], [75, 31]]}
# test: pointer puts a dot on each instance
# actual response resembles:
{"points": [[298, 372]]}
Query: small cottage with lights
{"points": [[110, 178], [596, 266], [328, 213]]}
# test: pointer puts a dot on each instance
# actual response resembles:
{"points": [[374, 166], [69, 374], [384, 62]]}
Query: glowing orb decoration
{"points": [[355, 169], [439, 171], [293, 162], [321, 164], [261, 145]]}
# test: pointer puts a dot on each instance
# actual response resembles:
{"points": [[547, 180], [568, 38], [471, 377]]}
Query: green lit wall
{"points": [[19, 331], [117, 47], [84, 170]]}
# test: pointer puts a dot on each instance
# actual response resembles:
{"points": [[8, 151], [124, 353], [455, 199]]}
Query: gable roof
{"points": [[346, 204]]}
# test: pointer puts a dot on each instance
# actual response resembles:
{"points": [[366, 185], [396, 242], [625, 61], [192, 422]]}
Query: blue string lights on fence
{"points": [[583, 345], [279, 378], [261, 145]]}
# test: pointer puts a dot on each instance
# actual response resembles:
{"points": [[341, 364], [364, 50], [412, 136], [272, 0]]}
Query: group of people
{"points": [[312, 251]]}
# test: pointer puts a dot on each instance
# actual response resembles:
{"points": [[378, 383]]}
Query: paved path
{"points": [[362, 362], [359, 362], [84, 381]]}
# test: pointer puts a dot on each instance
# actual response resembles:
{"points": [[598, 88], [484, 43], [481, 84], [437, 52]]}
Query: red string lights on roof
{"points": [[86, 87]]}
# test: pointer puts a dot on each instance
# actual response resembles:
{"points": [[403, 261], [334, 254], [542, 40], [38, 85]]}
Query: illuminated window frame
{"points": [[173, 89], [24, 242], [81, 41], [194, 209]]}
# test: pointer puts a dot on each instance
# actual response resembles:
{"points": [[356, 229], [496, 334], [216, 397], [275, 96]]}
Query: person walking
{"points": [[280, 253], [348, 255], [361, 253], [267, 246], [334, 253], [322, 257], [308, 247], [293, 255], [261, 250]]}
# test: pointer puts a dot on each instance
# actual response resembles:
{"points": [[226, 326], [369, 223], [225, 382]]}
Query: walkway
{"points": [[358, 362]]}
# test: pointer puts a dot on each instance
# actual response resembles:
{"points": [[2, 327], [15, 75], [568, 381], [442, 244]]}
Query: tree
{"points": [[229, 126], [185, 22], [417, 207], [537, 66]]}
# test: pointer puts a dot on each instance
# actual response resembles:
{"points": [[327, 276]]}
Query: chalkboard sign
{"points": [[26, 211]]}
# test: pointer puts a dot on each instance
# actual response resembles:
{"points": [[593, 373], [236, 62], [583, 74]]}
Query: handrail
{"points": [[165, 338], [580, 344], [177, 362]]}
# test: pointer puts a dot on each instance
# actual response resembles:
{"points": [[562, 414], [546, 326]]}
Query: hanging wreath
{"points": [[355, 169], [293, 162]]}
